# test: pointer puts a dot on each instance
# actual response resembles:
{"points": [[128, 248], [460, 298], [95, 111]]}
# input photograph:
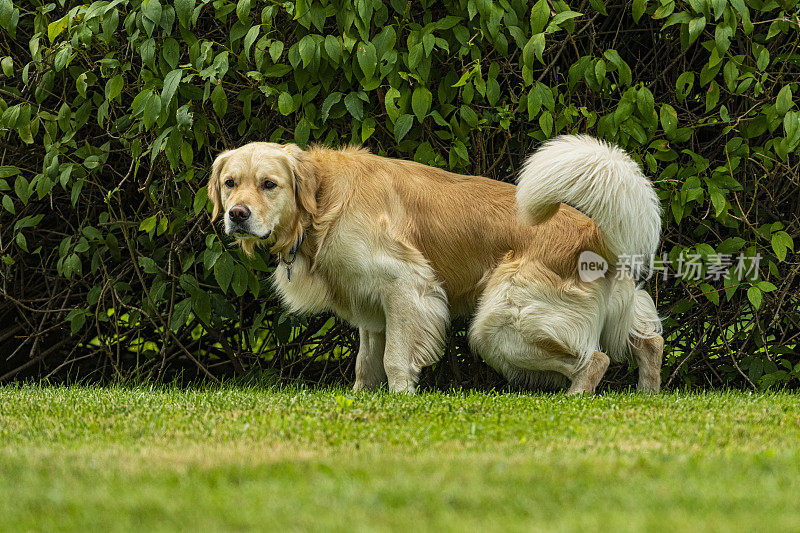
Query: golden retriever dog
{"points": [[396, 248]]}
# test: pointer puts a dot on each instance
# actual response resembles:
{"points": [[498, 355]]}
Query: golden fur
{"points": [[381, 238]]}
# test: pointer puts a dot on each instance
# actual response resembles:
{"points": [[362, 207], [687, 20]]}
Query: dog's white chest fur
{"points": [[300, 289], [307, 291]]}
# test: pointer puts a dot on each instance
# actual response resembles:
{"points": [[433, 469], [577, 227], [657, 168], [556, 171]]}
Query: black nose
{"points": [[239, 213]]}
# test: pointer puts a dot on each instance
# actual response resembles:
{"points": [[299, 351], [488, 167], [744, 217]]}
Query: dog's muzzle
{"points": [[239, 234], [239, 223]]}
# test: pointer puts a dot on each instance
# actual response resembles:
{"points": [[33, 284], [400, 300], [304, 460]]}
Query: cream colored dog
{"points": [[396, 248]]}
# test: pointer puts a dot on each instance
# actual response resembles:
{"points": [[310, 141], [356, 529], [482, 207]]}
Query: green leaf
{"points": [[534, 103], [153, 12], [546, 123], [461, 151], [560, 18], [540, 14], [6, 14], [243, 10], [669, 120], [8, 204], [791, 125], [755, 296], [55, 28], [781, 242], [766, 286], [600, 71], [152, 109], [354, 105], [696, 26], [114, 87], [22, 242], [184, 10], [276, 71], [717, 200], [240, 278], [719, 7], [149, 224], [599, 6], [665, 9], [469, 115], [275, 50], [533, 49], [187, 155], [392, 95], [763, 59], [219, 100], [683, 85], [333, 48], [285, 103], [180, 314], [250, 38], [722, 37], [731, 74], [635, 130], [645, 103], [148, 265], [421, 102], [367, 129], [77, 319], [171, 53], [447, 22], [402, 126], [28, 222], [62, 57], [367, 60], [638, 9], [223, 271], [710, 292], [330, 100], [307, 48], [302, 132], [7, 172], [623, 69], [171, 82], [415, 55], [741, 8], [731, 245], [784, 101], [200, 200], [492, 91]]}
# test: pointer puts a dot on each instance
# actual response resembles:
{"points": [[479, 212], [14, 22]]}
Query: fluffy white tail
{"points": [[600, 180]]}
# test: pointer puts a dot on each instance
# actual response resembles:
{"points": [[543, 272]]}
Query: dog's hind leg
{"points": [[584, 377], [648, 353], [632, 327], [525, 324], [587, 378], [369, 361], [647, 344]]}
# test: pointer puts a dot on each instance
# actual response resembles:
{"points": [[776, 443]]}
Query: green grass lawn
{"points": [[227, 458]]}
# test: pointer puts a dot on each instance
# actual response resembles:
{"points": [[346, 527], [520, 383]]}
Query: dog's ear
{"points": [[213, 183], [305, 178]]}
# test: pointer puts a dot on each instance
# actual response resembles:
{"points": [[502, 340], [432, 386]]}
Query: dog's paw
{"points": [[648, 387]]}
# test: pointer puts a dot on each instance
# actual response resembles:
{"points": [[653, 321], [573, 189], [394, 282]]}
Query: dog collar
{"points": [[288, 260]]}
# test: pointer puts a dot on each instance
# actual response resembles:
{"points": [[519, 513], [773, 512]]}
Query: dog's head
{"points": [[266, 192]]}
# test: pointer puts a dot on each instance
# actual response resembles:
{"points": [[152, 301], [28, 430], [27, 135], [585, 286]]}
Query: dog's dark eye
{"points": [[229, 183], [269, 184]]}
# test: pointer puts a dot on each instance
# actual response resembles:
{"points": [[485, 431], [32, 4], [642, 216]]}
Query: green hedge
{"points": [[111, 112]]}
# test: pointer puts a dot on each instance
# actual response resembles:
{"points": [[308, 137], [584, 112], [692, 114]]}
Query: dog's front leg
{"points": [[416, 323], [369, 361]]}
